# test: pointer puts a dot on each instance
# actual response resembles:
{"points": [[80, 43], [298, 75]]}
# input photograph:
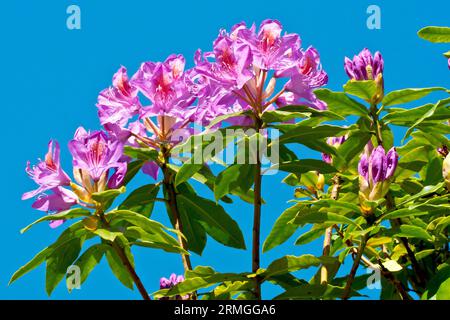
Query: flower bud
{"points": [[446, 170], [320, 182], [376, 170], [364, 66]]}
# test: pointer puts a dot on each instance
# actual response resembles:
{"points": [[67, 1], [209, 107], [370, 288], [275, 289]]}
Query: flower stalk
{"points": [[170, 194], [125, 261], [356, 262]]}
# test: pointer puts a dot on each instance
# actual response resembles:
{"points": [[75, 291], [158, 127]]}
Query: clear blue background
{"points": [[51, 77]]}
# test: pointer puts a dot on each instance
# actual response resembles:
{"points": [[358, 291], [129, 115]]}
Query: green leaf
{"points": [[313, 216], [132, 170], [76, 231], [427, 115], [32, 264], [136, 219], [89, 260], [194, 283], [144, 154], [288, 264], [228, 116], [106, 198], [233, 177], [353, 146], [316, 232], [186, 172], [407, 95], [141, 221], [443, 292], [193, 231], [312, 291], [118, 268], [58, 262], [441, 276], [427, 190], [340, 103], [142, 200], [408, 231], [305, 165], [282, 230], [281, 116], [323, 114], [106, 234], [365, 90], [435, 34], [65, 215], [152, 240], [304, 134], [213, 218]]}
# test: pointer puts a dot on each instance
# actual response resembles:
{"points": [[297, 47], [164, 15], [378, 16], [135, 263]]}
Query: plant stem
{"points": [[169, 190], [329, 231], [123, 257], [326, 252], [351, 276], [385, 273], [377, 124], [397, 284], [125, 261], [257, 227], [418, 271], [256, 234]]}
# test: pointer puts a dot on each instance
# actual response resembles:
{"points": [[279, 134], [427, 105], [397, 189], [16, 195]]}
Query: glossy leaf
{"points": [[213, 218]]}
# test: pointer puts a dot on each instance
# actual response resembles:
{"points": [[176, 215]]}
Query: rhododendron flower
{"points": [[173, 280], [334, 142], [234, 77], [97, 160], [98, 164], [376, 169], [165, 120], [119, 103], [48, 173], [364, 66]]}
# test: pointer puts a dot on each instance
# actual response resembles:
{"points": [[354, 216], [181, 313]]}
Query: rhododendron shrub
{"points": [[366, 201]]}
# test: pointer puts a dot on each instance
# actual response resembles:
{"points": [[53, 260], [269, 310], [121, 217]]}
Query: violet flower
{"points": [[364, 66], [376, 169], [165, 120], [173, 280], [97, 160], [48, 173], [119, 103], [235, 76], [334, 142], [50, 177], [98, 164]]}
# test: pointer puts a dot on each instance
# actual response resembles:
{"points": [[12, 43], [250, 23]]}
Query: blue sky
{"points": [[52, 77]]}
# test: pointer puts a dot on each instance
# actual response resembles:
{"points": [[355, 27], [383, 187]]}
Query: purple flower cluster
{"points": [[156, 106], [233, 76], [173, 280], [376, 169], [98, 164], [334, 142], [229, 79]]}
